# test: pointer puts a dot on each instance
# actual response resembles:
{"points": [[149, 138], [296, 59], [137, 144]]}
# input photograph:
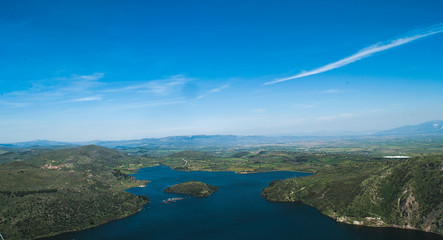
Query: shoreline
{"points": [[381, 226], [93, 226], [236, 172], [360, 223]]}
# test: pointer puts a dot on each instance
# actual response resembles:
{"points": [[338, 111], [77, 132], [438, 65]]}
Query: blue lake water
{"points": [[235, 211]]}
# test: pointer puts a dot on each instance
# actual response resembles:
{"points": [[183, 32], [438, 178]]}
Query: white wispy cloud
{"points": [[74, 83], [215, 90], [326, 118], [87, 99], [164, 87], [258, 110], [60, 86], [90, 88], [92, 77], [330, 91], [13, 104], [59, 90], [335, 117], [140, 105], [160, 87], [303, 105], [364, 53]]}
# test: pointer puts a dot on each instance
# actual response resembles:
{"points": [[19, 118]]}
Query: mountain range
{"points": [[431, 127], [427, 128]]}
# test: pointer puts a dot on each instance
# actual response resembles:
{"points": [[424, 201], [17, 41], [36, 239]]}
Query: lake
{"points": [[235, 211]]}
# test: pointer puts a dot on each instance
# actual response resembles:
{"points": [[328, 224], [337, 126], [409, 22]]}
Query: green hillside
{"points": [[89, 157], [406, 194], [64, 190]]}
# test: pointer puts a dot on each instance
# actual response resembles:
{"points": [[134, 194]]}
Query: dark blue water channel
{"points": [[235, 211]]}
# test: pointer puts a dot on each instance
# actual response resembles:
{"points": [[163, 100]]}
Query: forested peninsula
{"points": [[403, 194]]}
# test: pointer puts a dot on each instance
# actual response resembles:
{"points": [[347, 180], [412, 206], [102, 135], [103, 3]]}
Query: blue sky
{"points": [[109, 70]]}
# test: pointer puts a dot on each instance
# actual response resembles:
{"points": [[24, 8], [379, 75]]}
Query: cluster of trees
{"points": [[195, 188]]}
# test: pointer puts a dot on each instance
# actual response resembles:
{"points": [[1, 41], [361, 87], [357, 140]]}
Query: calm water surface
{"points": [[235, 211]]}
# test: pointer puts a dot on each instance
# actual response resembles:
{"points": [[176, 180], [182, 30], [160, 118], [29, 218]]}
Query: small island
{"points": [[195, 188]]}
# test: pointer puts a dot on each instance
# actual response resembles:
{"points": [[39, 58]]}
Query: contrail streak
{"points": [[364, 53]]}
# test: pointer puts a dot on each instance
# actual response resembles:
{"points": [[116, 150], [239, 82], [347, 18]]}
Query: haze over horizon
{"points": [[110, 70]]}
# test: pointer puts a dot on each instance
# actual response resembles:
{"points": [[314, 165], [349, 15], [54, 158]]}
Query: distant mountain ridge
{"points": [[195, 141], [167, 142], [36, 143], [431, 127]]}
